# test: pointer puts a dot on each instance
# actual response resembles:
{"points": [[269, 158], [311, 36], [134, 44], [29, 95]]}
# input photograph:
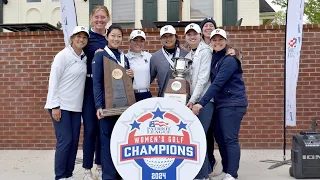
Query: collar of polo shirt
{"points": [[133, 54]]}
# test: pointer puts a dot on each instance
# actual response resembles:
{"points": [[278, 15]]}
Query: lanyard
{"points": [[121, 63], [176, 54]]}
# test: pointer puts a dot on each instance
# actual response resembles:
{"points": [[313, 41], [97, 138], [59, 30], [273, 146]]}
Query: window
{"points": [[200, 9], [33, 0], [123, 13]]}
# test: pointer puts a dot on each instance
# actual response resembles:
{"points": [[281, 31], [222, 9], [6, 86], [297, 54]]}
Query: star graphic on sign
{"points": [[182, 126], [135, 125], [158, 113]]}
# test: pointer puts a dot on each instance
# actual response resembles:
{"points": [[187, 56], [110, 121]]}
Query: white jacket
{"points": [[67, 80], [199, 74]]}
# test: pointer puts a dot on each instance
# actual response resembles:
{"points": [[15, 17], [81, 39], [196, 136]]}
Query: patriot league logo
{"points": [[158, 138]]}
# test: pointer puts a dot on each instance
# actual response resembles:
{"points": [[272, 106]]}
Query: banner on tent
{"points": [[293, 47]]}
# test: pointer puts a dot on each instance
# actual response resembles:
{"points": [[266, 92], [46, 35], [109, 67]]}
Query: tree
{"points": [[311, 9], [279, 18]]}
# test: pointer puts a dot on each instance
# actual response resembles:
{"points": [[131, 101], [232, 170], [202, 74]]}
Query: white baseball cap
{"points": [[193, 26], [221, 32], [78, 29], [167, 29], [137, 33]]}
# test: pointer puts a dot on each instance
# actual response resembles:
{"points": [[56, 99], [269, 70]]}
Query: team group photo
{"points": [[167, 97]]}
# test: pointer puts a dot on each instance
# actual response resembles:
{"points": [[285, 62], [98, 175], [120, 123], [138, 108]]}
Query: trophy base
{"points": [[178, 97], [113, 111], [178, 89]]}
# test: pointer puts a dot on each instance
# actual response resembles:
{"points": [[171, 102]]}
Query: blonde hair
{"points": [[99, 8]]}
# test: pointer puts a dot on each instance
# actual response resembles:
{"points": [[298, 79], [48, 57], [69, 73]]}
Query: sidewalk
{"points": [[38, 165]]}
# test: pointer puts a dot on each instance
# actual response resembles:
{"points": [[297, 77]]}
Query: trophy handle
{"points": [[189, 66]]}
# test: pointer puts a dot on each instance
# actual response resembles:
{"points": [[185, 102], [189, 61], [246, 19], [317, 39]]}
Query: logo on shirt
{"points": [[159, 138]]}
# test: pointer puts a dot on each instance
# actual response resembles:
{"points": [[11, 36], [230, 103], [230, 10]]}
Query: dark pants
{"points": [[227, 123], [210, 146], [67, 132], [142, 96], [205, 117], [91, 135], [109, 172]]}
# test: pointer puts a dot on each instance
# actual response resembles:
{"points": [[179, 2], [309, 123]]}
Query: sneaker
{"points": [[219, 176], [88, 175], [228, 177], [98, 173], [71, 178], [62, 179]]}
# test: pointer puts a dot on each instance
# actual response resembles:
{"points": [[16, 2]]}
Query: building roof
{"points": [[265, 7], [29, 27]]}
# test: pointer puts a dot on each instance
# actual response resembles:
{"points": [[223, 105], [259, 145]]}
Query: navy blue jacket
{"points": [[98, 77], [96, 41], [227, 86]]}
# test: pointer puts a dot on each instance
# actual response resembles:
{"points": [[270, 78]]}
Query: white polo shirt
{"points": [[140, 64], [67, 80]]}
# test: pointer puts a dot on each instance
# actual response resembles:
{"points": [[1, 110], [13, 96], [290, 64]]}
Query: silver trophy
{"points": [[181, 66]]}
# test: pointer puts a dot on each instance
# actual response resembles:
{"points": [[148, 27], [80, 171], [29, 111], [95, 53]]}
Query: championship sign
{"points": [[158, 138]]}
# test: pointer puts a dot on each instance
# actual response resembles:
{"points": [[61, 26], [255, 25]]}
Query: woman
{"points": [[111, 51], [207, 26], [140, 63], [161, 60], [64, 101], [228, 91], [198, 78], [91, 141]]}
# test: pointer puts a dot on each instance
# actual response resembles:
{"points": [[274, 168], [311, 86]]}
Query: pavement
{"points": [[38, 165]]}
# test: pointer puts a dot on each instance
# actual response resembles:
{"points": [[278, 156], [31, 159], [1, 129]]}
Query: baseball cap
{"points": [[221, 32], [193, 26], [78, 29], [167, 29], [208, 19], [137, 33]]}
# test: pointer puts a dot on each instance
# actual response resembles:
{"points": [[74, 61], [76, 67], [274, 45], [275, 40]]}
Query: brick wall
{"points": [[25, 60]]}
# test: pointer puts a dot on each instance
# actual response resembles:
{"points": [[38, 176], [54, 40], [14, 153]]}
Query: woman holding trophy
{"points": [[112, 52], [198, 78], [160, 61]]}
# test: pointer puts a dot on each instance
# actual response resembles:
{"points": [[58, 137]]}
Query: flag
{"points": [[68, 18], [294, 27]]}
